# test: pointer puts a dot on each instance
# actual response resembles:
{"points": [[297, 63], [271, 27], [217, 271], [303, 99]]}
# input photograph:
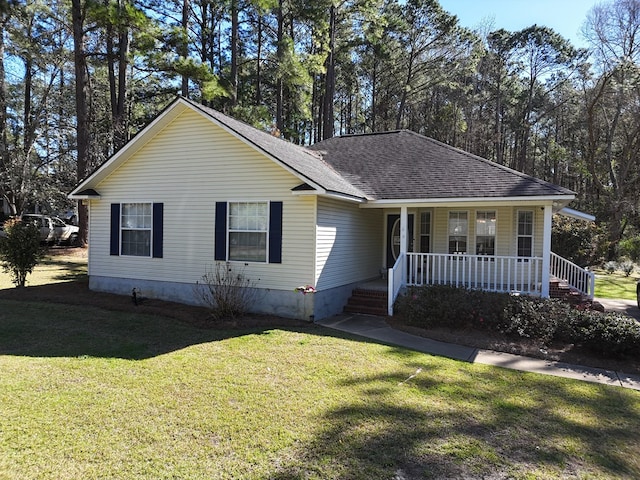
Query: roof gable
{"points": [[405, 165], [305, 164]]}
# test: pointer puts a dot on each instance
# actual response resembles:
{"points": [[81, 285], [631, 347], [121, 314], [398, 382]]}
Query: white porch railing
{"points": [[575, 276], [493, 273], [395, 282]]}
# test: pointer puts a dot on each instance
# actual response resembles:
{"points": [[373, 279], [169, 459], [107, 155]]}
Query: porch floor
{"points": [[379, 285]]}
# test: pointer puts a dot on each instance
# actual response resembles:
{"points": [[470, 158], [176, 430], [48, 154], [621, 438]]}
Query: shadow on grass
{"points": [[68, 270], [481, 423], [68, 320]]}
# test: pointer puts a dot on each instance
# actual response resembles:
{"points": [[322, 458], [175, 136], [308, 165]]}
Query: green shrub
{"points": [[545, 320], [20, 250], [453, 307], [532, 317], [626, 266], [607, 334]]}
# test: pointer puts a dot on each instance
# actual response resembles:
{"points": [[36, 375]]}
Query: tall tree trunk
{"points": [[184, 47], [405, 91], [120, 117], [258, 62], [234, 53], [330, 79], [4, 151], [279, 81], [82, 107], [374, 96]]}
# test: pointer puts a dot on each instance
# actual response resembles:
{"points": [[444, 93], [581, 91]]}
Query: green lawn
{"points": [[87, 393], [52, 269], [615, 285]]}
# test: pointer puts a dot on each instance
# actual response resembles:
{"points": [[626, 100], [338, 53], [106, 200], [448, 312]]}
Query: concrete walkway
{"points": [[376, 328]]}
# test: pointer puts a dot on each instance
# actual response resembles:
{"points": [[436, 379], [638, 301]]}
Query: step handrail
{"points": [[395, 282], [578, 278]]}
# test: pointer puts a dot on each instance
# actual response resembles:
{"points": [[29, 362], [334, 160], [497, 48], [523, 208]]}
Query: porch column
{"points": [[404, 227], [546, 251]]}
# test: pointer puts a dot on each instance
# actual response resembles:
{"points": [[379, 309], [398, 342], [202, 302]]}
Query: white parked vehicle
{"points": [[53, 230]]}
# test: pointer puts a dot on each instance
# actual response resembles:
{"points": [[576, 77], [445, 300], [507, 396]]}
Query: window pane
{"points": [[457, 223], [525, 223], [248, 216], [425, 223], [485, 245], [524, 246], [425, 243], [136, 215], [136, 242], [486, 223], [248, 246], [457, 244]]}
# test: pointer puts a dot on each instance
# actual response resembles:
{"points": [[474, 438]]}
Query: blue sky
{"points": [[564, 16]]}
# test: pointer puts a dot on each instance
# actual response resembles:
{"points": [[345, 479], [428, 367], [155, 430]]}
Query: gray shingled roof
{"points": [[305, 162], [406, 165]]}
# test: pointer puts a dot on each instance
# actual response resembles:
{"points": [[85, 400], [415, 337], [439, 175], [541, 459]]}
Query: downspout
{"points": [[546, 251]]}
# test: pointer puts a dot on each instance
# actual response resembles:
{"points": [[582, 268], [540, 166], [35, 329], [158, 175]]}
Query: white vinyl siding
{"points": [[189, 166], [349, 243]]}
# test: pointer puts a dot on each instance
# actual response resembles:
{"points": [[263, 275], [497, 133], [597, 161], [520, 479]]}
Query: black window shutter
{"points": [[115, 229], [275, 232], [158, 211], [220, 249]]}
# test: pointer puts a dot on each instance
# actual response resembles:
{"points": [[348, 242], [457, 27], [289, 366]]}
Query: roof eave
{"points": [[328, 193], [557, 201]]}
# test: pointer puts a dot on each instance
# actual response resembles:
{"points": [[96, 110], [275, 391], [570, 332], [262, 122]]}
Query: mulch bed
{"points": [[78, 293]]}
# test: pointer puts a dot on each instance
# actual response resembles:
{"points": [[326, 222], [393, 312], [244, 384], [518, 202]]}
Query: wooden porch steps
{"points": [[372, 302]]}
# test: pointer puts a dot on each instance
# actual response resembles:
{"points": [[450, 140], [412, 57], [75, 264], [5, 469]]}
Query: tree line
{"points": [[78, 78]]}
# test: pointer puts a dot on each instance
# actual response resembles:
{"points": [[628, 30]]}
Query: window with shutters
{"points": [[136, 226], [248, 230]]}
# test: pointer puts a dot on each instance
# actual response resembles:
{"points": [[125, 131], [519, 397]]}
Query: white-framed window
{"points": [[248, 231], [525, 233], [458, 231], [136, 222], [425, 232], [486, 232]]}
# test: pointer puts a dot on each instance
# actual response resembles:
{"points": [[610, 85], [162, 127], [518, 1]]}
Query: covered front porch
{"points": [[462, 246]]}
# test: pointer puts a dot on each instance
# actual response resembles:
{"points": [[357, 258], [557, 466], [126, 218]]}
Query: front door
{"points": [[393, 238]]}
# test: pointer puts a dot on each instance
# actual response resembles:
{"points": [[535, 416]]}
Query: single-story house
{"points": [[196, 187]]}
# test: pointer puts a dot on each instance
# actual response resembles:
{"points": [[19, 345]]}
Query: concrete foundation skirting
{"points": [[283, 303]]}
